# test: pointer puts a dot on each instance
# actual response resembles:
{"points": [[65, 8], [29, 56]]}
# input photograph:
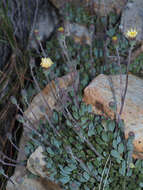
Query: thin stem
{"points": [[126, 84], [104, 171]]}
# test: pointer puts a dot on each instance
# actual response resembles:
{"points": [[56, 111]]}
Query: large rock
{"points": [[132, 18], [104, 7], [104, 90]]}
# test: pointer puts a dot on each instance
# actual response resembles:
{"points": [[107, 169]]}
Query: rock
{"points": [[99, 94], [104, 7], [42, 18], [36, 163], [60, 3], [48, 99], [80, 33], [26, 183], [132, 18]]}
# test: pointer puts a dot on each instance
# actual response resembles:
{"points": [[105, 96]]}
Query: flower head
{"points": [[61, 29], [114, 38], [131, 34], [46, 63]]}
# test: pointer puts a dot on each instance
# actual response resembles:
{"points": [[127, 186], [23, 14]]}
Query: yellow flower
{"points": [[132, 165], [46, 63], [114, 38], [132, 33], [60, 29]]}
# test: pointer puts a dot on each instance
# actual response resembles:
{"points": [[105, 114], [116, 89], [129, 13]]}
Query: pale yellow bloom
{"points": [[61, 29], [132, 33], [46, 63], [132, 165], [114, 38]]}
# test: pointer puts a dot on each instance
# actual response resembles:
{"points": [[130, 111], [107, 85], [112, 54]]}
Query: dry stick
{"points": [[107, 175], [103, 172], [42, 97], [8, 158], [64, 48], [7, 177], [119, 65], [126, 84]]}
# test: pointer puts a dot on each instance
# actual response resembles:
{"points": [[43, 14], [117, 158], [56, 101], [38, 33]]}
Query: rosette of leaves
{"points": [[73, 163]]}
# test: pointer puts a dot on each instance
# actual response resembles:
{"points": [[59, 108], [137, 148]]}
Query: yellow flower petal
{"points": [[61, 29], [132, 33], [114, 38], [132, 165], [46, 63]]}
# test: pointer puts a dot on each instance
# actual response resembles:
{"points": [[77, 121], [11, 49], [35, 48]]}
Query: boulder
{"points": [[105, 90], [104, 7]]}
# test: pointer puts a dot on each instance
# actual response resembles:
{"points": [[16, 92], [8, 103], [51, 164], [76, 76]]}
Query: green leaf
{"points": [[114, 144], [86, 176], [141, 184], [111, 125], [118, 139], [64, 179], [121, 148], [50, 151], [86, 188], [89, 108], [105, 137], [90, 166], [75, 115], [122, 170], [83, 120], [69, 123], [91, 130], [111, 32], [55, 117], [56, 143], [115, 154]]}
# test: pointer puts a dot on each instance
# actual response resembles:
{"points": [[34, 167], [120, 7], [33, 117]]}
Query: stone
{"points": [[25, 183], [132, 18], [49, 98], [36, 164], [104, 7], [104, 90], [79, 32]]}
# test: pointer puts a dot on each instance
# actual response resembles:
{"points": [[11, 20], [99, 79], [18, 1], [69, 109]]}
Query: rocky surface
{"points": [[104, 7], [36, 164], [104, 90], [27, 183], [49, 98], [80, 33], [132, 18]]}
